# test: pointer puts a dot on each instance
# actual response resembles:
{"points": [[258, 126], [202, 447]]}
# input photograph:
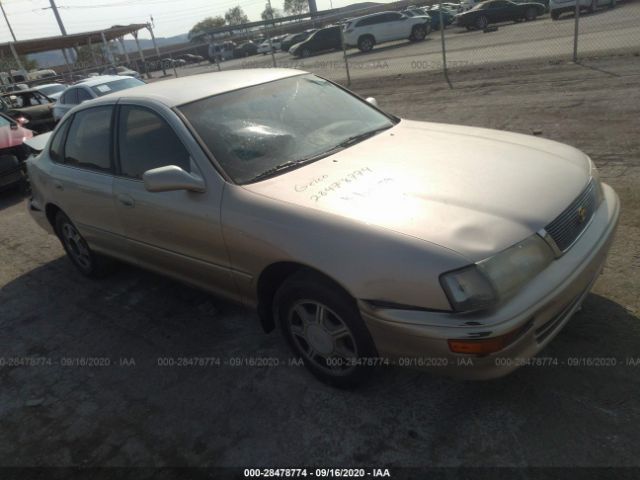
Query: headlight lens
{"points": [[468, 289], [498, 277]]}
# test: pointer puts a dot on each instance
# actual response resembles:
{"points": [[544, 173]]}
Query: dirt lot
{"points": [[245, 416]]}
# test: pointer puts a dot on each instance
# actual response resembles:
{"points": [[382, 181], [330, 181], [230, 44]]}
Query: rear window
{"points": [[115, 86]]}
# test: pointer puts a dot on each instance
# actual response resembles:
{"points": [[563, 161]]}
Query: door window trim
{"points": [[66, 137], [117, 171]]}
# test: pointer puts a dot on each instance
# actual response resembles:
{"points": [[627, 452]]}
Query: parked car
{"points": [[122, 71], [276, 41], [323, 40], [558, 7], [31, 105], [367, 31], [496, 11], [447, 17], [52, 90], [191, 58], [13, 152], [221, 51], [245, 50], [294, 38], [265, 47], [91, 88], [323, 213]]}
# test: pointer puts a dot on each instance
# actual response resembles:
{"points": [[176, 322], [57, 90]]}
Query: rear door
{"points": [[82, 177], [177, 233]]}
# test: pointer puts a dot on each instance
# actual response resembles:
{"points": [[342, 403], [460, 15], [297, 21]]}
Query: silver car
{"points": [[93, 87], [365, 238]]}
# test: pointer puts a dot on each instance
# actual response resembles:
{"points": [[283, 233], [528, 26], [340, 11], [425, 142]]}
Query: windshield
{"points": [[253, 130], [116, 85], [52, 89]]}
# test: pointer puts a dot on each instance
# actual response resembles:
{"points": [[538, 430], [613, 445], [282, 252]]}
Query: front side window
{"points": [[88, 142], [295, 120], [146, 141]]}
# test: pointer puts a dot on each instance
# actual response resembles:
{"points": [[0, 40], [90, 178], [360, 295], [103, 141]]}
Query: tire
{"points": [[530, 15], [418, 33], [481, 22], [612, 4], [592, 8], [555, 15], [323, 327], [86, 261], [366, 43], [306, 53]]}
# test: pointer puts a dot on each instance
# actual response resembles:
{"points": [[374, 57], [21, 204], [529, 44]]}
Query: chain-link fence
{"points": [[392, 39]]}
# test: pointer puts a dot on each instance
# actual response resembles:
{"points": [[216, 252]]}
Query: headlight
{"points": [[498, 277], [593, 172]]}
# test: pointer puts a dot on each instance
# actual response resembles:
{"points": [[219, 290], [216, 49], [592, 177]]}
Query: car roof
{"points": [[37, 87], [100, 79], [375, 14], [178, 91]]}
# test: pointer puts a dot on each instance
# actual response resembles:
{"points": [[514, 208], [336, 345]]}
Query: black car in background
{"points": [[245, 49], [496, 11], [329, 38], [294, 38]]}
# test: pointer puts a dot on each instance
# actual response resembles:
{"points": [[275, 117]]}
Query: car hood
{"points": [[473, 190]]}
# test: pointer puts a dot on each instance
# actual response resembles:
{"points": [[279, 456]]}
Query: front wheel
{"points": [[555, 15], [78, 251], [323, 327], [306, 52]]}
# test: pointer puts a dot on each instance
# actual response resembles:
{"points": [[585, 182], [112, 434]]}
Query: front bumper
{"points": [[537, 313], [37, 212]]}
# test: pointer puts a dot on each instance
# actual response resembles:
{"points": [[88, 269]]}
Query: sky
{"points": [[34, 18]]}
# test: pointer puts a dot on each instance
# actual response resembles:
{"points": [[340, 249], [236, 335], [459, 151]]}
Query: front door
{"points": [[177, 233]]}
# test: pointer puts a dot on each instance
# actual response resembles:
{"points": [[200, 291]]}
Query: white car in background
{"points": [[91, 88], [558, 7], [265, 47], [52, 90], [369, 30]]}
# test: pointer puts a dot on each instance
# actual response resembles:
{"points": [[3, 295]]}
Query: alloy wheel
{"points": [[76, 246], [322, 337]]}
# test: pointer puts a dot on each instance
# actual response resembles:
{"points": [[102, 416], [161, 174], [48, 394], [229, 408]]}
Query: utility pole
{"points": [[7, 20], [57, 15], [153, 39]]}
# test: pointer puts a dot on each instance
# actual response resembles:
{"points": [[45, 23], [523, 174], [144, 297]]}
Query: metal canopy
{"points": [[59, 42]]}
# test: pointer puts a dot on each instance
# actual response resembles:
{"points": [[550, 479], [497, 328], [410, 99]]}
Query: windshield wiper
{"points": [[291, 164], [361, 136]]}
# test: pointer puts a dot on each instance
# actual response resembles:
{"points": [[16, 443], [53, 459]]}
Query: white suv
{"points": [[365, 32]]}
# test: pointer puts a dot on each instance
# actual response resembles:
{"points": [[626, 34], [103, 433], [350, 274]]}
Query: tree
{"points": [[9, 63], [205, 25], [236, 16], [296, 7], [270, 12]]}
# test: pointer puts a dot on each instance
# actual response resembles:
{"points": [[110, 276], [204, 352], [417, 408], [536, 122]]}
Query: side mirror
{"points": [[372, 101], [170, 178]]}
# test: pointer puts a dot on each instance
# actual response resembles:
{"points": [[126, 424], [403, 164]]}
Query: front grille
{"points": [[568, 226]]}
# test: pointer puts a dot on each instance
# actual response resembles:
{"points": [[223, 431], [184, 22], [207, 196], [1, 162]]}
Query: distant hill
{"points": [[53, 58]]}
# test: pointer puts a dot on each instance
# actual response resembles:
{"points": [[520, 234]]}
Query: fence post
{"points": [[273, 23], [444, 50], [344, 55], [575, 32]]}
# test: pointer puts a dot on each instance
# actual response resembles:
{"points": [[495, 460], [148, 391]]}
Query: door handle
{"points": [[126, 200]]}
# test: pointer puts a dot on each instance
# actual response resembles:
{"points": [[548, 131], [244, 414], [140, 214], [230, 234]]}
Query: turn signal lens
{"points": [[483, 346]]}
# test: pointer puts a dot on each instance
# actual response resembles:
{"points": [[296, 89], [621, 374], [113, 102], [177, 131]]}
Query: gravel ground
{"points": [[145, 414]]}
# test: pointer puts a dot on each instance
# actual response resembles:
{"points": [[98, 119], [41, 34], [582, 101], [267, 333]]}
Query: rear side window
{"points": [[88, 142], [146, 141], [55, 150], [70, 97]]}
